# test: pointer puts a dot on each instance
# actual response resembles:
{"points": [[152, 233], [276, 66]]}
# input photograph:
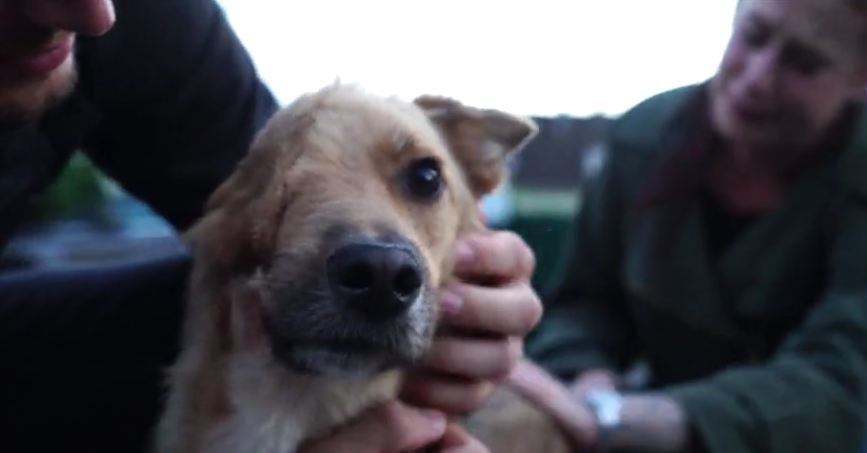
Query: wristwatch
{"points": [[606, 407]]}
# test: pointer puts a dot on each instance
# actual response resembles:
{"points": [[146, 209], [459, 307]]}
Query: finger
{"points": [[595, 379], [448, 394], [457, 440], [474, 358], [481, 214], [549, 395], [391, 427], [509, 310], [499, 254]]}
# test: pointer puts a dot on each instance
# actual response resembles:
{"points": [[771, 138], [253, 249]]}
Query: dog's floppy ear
{"points": [[242, 216], [480, 139]]}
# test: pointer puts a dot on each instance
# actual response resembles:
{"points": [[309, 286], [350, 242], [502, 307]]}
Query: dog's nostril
{"points": [[356, 276], [380, 281], [407, 282]]}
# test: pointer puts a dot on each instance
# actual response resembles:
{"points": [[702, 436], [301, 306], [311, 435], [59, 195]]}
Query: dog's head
{"points": [[340, 224]]}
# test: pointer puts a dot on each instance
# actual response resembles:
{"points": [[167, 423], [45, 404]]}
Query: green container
{"points": [[79, 188], [544, 218]]}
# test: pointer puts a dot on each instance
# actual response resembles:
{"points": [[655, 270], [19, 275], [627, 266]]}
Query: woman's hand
{"points": [[649, 421], [557, 401]]}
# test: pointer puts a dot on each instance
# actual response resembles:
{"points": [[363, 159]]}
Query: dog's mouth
{"points": [[329, 340], [356, 356], [364, 307]]}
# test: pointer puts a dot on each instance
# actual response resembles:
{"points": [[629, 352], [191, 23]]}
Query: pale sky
{"points": [[540, 57]]}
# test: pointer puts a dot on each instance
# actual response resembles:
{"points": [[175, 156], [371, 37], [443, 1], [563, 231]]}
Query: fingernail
{"points": [[451, 302], [464, 255], [436, 418]]}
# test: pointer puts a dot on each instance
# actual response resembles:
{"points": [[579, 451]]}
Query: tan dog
{"points": [[317, 265]]}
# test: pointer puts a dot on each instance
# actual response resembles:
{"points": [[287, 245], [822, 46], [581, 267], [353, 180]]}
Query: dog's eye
{"points": [[424, 180]]}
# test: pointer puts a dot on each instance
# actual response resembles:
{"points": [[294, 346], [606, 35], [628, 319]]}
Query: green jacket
{"points": [[766, 346]]}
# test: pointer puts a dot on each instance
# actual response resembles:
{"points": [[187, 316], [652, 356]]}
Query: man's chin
{"points": [[25, 102]]}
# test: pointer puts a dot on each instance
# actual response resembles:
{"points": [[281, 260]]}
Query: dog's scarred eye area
{"points": [[424, 180]]}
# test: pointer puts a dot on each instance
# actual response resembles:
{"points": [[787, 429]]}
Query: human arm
{"points": [[816, 373], [179, 102]]}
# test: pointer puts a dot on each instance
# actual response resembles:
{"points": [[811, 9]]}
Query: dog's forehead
{"points": [[342, 122]]}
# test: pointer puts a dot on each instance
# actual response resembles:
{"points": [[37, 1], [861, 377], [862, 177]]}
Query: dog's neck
{"points": [[274, 409]]}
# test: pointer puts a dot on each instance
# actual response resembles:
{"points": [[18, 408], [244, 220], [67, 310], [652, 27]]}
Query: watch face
{"points": [[606, 406]]}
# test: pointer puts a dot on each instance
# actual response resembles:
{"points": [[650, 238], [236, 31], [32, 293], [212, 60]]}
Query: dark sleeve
{"points": [[585, 325], [812, 395], [179, 99]]}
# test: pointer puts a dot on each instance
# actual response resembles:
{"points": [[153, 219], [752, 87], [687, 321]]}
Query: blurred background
{"points": [[540, 57], [574, 65]]}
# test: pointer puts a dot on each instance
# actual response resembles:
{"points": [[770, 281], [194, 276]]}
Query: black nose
{"points": [[380, 281]]}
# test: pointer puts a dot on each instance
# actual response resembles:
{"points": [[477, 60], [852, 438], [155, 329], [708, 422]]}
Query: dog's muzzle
{"points": [[365, 306]]}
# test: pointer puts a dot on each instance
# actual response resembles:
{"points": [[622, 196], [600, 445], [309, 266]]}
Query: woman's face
{"points": [[788, 70]]}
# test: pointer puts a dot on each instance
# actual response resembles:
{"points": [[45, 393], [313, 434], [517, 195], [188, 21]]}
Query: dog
{"points": [[317, 263]]}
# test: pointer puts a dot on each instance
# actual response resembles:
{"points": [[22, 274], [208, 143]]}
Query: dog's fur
{"points": [[270, 356], [510, 423]]}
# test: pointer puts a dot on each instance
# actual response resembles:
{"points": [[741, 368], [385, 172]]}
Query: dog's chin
{"points": [[319, 336], [343, 358]]}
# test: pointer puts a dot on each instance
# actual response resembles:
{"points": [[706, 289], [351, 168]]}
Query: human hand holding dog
{"points": [[394, 427], [650, 421], [485, 313]]}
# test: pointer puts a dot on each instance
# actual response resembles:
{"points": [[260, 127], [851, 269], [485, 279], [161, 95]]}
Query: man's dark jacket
{"points": [[166, 103]]}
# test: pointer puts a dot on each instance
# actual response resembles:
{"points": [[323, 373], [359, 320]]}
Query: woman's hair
{"points": [[859, 7], [682, 169]]}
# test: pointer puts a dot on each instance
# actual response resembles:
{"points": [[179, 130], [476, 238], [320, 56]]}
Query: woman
{"points": [[725, 247]]}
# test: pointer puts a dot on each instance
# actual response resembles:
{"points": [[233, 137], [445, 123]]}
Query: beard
{"points": [[25, 101]]}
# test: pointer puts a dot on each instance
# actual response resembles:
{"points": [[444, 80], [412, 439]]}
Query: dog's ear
{"points": [[243, 215], [480, 139]]}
